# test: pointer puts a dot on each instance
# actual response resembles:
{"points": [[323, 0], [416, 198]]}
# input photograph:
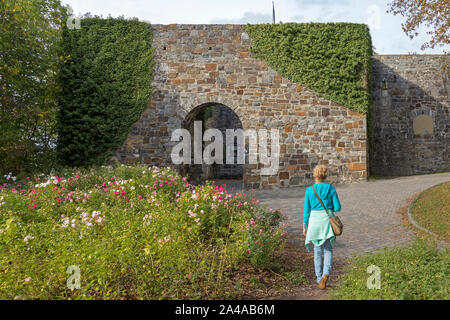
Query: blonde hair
{"points": [[320, 172]]}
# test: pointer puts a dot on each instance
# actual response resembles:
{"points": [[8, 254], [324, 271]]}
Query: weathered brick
{"points": [[211, 66], [356, 166]]}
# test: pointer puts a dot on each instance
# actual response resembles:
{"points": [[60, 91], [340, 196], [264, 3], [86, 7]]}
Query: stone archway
{"points": [[219, 116]]}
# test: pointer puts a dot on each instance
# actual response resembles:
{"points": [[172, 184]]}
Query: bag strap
{"points": [[319, 199]]}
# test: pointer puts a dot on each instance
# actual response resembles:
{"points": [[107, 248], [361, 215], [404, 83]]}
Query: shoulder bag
{"points": [[335, 222]]}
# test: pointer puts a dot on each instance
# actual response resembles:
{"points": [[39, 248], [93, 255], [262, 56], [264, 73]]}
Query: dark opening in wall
{"points": [[214, 116]]}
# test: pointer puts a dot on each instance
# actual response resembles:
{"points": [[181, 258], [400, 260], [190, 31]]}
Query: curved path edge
{"points": [[411, 218]]}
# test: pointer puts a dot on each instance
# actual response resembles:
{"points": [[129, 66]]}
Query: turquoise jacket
{"points": [[327, 194]]}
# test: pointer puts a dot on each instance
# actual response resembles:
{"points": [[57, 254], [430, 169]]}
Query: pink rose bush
{"points": [[134, 232]]}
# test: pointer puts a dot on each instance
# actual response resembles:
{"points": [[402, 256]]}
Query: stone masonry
{"points": [[411, 120], [198, 65]]}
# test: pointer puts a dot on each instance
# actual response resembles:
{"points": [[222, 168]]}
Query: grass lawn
{"points": [[417, 272], [432, 210]]}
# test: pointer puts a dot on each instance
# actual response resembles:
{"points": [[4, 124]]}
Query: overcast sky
{"points": [[387, 35]]}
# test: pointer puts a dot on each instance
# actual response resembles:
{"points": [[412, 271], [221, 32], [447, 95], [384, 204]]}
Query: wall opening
{"points": [[221, 117]]}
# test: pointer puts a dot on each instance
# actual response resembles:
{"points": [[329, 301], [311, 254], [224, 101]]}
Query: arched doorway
{"points": [[221, 117]]}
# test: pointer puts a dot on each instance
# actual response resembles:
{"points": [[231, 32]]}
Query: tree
{"points": [[29, 53], [434, 14]]}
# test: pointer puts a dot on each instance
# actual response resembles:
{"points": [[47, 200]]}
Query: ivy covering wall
{"points": [[106, 73], [332, 59]]}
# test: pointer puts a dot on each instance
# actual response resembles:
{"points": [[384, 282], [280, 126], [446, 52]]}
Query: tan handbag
{"points": [[335, 222]]}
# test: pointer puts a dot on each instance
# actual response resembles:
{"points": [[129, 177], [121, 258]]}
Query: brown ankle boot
{"points": [[323, 283]]}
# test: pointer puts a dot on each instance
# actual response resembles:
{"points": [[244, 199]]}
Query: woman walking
{"points": [[316, 223]]}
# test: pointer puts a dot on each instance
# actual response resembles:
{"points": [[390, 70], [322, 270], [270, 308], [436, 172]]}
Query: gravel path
{"points": [[369, 211]]}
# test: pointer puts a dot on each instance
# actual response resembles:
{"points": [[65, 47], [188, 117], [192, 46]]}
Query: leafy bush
{"points": [[333, 59], [30, 45], [419, 271], [134, 233], [105, 76]]}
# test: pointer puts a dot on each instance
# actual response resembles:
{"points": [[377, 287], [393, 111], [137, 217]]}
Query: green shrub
{"points": [[30, 44], [333, 59], [417, 272], [134, 233], [105, 74]]}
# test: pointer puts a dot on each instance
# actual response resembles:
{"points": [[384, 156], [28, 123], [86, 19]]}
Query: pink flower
{"points": [[261, 231], [28, 178], [139, 197], [248, 250], [192, 214]]}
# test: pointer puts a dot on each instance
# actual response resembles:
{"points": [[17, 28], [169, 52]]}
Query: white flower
{"points": [[95, 214], [28, 238], [147, 220], [65, 222]]}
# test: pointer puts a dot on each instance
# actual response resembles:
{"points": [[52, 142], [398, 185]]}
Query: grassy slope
{"points": [[432, 210]]}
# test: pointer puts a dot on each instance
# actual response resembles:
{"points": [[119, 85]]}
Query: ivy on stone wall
{"points": [[332, 59], [106, 73]]}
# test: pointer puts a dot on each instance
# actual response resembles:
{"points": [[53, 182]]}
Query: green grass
{"points": [[432, 210], [295, 277], [417, 272]]}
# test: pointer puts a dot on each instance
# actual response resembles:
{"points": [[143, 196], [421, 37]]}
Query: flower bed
{"points": [[128, 233]]}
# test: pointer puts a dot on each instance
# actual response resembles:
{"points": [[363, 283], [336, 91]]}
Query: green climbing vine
{"points": [[332, 59]]}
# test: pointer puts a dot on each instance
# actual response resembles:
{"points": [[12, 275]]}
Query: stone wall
{"points": [[197, 65], [411, 123]]}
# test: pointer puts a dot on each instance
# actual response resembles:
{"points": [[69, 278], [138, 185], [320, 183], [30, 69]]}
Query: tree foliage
{"points": [[333, 59], [434, 14], [29, 51], [106, 84]]}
